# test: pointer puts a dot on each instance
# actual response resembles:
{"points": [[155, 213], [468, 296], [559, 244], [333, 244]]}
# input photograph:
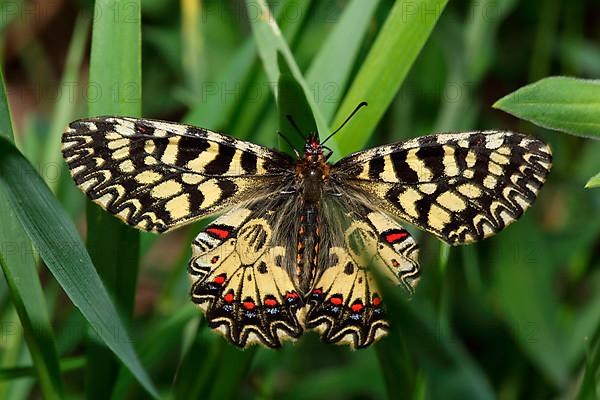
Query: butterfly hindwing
{"points": [[462, 187], [345, 305], [157, 175], [239, 280]]}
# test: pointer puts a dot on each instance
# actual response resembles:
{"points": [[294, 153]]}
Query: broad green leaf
{"points": [[400, 40], [18, 265], [270, 42], [560, 103], [594, 182], [61, 248]]}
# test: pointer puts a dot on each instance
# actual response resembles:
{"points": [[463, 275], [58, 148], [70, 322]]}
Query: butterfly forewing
{"points": [[462, 187], [156, 175]]}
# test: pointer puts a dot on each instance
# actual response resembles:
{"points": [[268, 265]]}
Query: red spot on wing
{"points": [[228, 297], [270, 302], [395, 263], [336, 300], [376, 300], [356, 307], [219, 279], [214, 259], [249, 304], [291, 295], [317, 291], [395, 236], [218, 232]]}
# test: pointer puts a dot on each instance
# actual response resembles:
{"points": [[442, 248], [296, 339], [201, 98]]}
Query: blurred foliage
{"points": [[516, 316]]}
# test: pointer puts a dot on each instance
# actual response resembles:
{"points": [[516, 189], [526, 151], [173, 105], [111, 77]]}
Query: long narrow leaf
{"points": [[61, 248], [63, 111], [330, 70], [402, 37], [270, 42], [18, 265], [115, 68], [452, 374]]}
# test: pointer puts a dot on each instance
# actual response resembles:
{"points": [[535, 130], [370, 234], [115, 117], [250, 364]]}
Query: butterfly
{"points": [[296, 237]]}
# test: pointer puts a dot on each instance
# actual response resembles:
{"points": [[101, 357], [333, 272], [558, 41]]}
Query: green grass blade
{"points": [[402, 37], [292, 102], [115, 69], [523, 289], [589, 384], [214, 108], [594, 182], [232, 369], [18, 264], [330, 70], [270, 42], [451, 373], [61, 248], [560, 103], [64, 108], [66, 365], [27, 298], [152, 352], [193, 45]]}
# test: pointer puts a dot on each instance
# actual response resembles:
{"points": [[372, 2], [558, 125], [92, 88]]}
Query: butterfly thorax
{"points": [[312, 171]]}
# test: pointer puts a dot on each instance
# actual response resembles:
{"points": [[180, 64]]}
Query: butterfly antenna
{"points": [[289, 144], [358, 107], [289, 117]]}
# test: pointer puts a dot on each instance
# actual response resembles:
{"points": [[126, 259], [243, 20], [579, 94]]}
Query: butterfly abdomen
{"points": [[308, 246]]}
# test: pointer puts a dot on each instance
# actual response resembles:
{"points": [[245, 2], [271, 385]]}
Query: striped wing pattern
{"points": [[241, 283], [462, 187], [156, 175]]}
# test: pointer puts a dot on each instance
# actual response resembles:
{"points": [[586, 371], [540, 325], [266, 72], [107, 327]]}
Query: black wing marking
{"points": [[462, 187], [157, 175]]}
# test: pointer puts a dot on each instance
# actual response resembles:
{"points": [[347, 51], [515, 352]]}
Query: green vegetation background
{"points": [[516, 316]]}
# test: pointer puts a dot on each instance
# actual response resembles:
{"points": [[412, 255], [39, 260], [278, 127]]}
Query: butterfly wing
{"points": [[462, 187], [157, 175], [240, 278], [344, 305]]}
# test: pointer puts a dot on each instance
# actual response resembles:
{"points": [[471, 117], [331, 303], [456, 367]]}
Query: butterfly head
{"points": [[314, 151], [313, 146]]}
